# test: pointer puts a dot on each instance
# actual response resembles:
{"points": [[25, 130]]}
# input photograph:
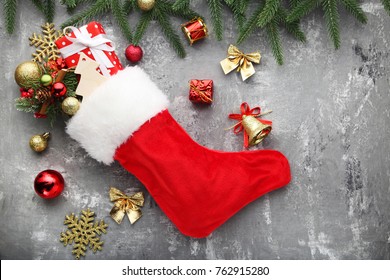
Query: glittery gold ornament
{"points": [[70, 105], [42, 94], [38, 143], [83, 232], [27, 74], [146, 5], [45, 44]]}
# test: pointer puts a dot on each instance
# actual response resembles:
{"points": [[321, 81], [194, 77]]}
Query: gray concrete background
{"points": [[331, 119]]}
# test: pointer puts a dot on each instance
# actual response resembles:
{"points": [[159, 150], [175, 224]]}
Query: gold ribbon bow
{"points": [[124, 204], [241, 61]]}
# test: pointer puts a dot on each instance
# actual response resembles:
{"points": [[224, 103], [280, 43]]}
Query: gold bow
{"points": [[243, 61], [126, 204]]}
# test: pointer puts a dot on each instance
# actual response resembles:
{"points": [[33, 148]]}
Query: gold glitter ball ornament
{"points": [[38, 143], [146, 5], [70, 105], [27, 73]]}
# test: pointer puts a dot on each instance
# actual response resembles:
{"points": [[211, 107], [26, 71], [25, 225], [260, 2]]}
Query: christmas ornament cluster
{"points": [[79, 73]]}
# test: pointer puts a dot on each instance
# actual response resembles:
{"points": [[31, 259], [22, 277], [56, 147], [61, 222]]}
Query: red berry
{"points": [[134, 53]]}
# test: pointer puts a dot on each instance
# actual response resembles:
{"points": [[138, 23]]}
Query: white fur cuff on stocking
{"points": [[114, 111]]}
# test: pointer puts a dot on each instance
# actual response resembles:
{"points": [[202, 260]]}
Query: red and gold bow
{"points": [[124, 204], [246, 111], [241, 61]]}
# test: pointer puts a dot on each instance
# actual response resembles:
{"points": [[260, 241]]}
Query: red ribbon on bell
{"points": [[255, 130]]}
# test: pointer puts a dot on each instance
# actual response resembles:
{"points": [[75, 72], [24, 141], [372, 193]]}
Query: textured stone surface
{"points": [[331, 119]]}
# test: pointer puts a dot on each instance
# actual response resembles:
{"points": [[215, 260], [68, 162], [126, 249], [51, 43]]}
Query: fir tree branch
{"points": [[215, 7], [181, 5], [274, 39], [353, 7], [27, 105], [49, 10], [168, 8], [143, 24], [332, 21], [386, 5], [238, 8], [268, 13], [293, 3], [38, 4], [250, 25], [302, 9], [129, 6], [9, 11], [96, 9], [120, 17], [293, 27], [69, 3], [169, 32]]}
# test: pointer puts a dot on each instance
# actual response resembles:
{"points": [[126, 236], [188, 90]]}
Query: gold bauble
{"points": [[146, 5], [38, 143], [70, 105], [27, 73]]}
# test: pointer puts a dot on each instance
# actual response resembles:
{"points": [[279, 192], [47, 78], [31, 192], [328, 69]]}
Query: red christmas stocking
{"points": [[197, 188]]}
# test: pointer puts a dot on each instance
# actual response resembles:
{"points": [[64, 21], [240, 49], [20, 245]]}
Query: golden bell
{"points": [[255, 129]]}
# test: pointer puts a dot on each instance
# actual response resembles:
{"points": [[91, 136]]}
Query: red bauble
{"points": [[58, 89], [49, 184], [134, 53]]}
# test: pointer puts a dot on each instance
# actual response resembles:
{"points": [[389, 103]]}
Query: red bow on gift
{"points": [[246, 111]]}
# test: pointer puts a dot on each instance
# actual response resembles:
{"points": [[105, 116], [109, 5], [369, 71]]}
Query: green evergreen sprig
{"points": [[215, 7], [331, 14], [386, 5], [10, 7]]}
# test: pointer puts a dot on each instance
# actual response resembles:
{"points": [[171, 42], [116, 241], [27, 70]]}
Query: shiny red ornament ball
{"points": [[58, 89], [49, 184], [26, 93], [134, 53]]}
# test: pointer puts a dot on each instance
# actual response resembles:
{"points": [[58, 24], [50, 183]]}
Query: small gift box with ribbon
{"points": [[91, 40], [201, 91], [243, 62]]}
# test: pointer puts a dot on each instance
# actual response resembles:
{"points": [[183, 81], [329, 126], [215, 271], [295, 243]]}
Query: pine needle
{"points": [[143, 24], [332, 21], [38, 4], [268, 13], [169, 32], [49, 10], [302, 9], [250, 25], [353, 7], [386, 5], [181, 5], [238, 8], [121, 18], [9, 7], [91, 13], [215, 7], [185, 13], [293, 27], [274, 39]]}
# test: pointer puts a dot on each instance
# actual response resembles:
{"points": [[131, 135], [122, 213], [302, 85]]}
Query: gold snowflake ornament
{"points": [[83, 232], [45, 44]]}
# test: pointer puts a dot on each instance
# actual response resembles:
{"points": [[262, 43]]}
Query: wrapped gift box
{"points": [[91, 40]]}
